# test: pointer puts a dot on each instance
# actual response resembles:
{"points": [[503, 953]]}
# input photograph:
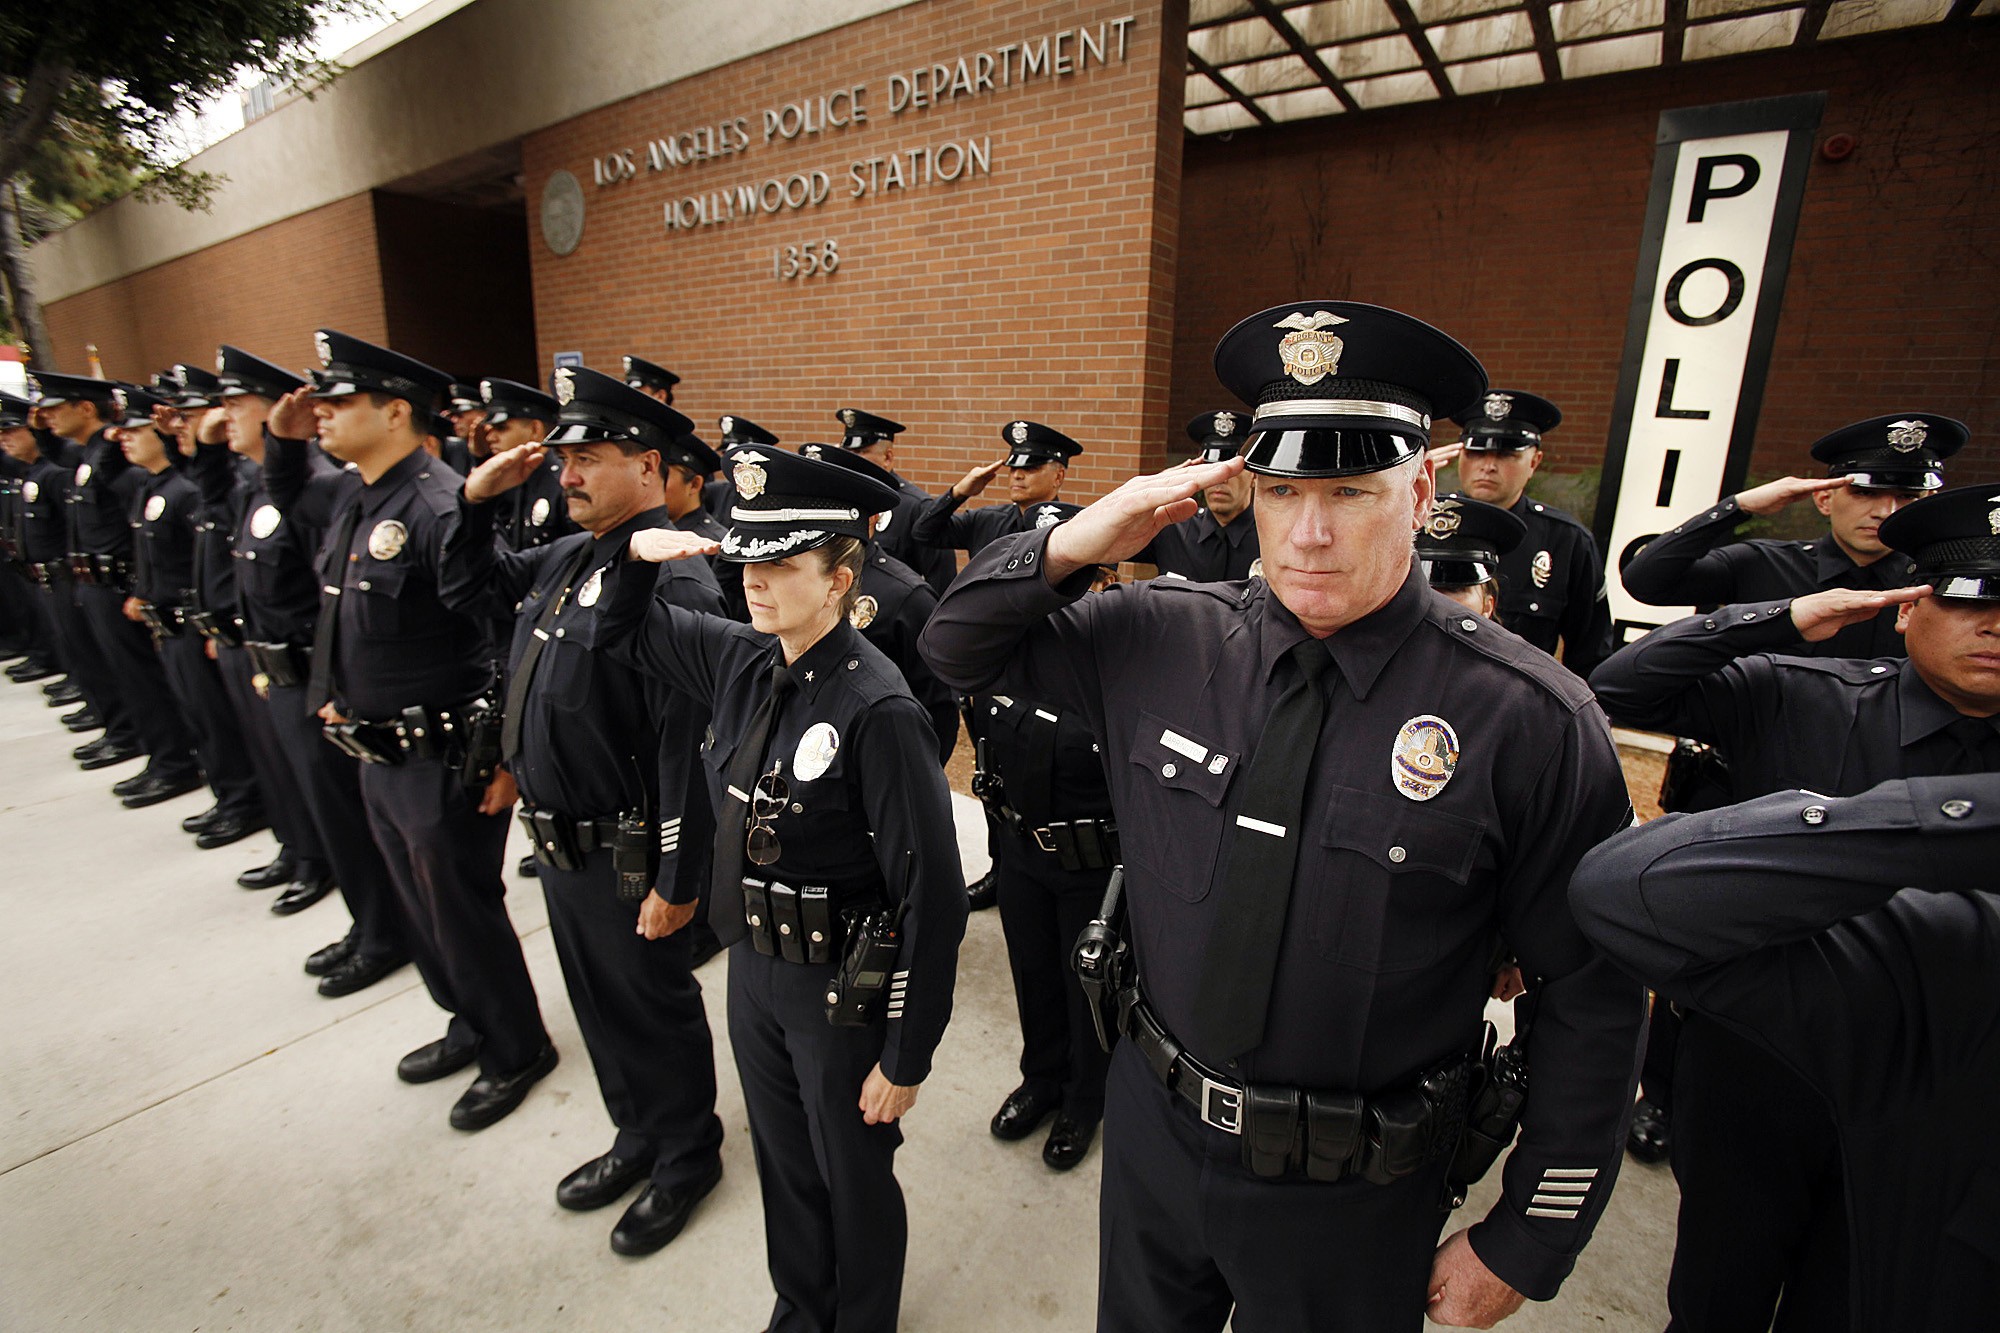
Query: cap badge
{"points": [[1905, 436], [816, 751], [847, 416], [387, 540], [627, 363], [265, 521], [749, 479], [1309, 352], [1257, 568], [1018, 432], [812, 451], [1445, 519], [1993, 516], [324, 348], [156, 507], [1425, 757], [1048, 516], [864, 612], [1225, 425], [565, 386], [1498, 406], [119, 401], [1541, 568], [592, 587], [540, 513], [221, 361], [726, 424]]}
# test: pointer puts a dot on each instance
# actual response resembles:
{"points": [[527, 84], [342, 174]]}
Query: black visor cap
{"points": [[1330, 452]]}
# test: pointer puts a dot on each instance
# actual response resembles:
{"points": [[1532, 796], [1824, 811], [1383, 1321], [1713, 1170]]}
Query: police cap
{"points": [[240, 374], [844, 456], [14, 410], [1954, 536], [1507, 421], [132, 407], [865, 428], [189, 386], [58, 389], [1462, 543], [643, 374], [505, 400], [1034, 444], [594, 408], [742, 430], [1220, 435], [463, 396], [787, 503], [1903, 451], [1340, 388], [350, 366]]}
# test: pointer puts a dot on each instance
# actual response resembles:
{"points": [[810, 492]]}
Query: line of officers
{"points": [[377, 627]]}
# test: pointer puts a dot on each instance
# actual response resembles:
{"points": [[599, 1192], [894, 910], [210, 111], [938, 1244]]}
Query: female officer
{"points": [[836, 872]]}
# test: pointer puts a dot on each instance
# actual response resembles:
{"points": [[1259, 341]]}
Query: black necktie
{"points": [[524, 674], [1235, 987], [319, 689], [1976, 742], [725, 898]]}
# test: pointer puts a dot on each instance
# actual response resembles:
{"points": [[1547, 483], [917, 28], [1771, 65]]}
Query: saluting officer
{"points": [[1873, 468], [401, 681], [1789, 918], [1220, 542], [894, 605], [23, 452], [1551, 586], [533, 512], [1317, 871], [100, 498], [651, 379], [873, 437], [1037, 463], [836, 873], [1762, 1226], [612, 798]]}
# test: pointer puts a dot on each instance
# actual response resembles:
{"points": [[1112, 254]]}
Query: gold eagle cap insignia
{"points": [[1309, 352]]}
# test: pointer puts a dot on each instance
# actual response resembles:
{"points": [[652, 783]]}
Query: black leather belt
{"points": [[165, 621], [282, 664], [101, 571], [213, 625], [562, 841], [1079, 844], [48, 573], [421, 733]]}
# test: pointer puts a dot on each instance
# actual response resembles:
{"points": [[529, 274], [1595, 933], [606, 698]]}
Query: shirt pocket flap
{"points": [[384, 580], [1401, 836], [1179, 759]]}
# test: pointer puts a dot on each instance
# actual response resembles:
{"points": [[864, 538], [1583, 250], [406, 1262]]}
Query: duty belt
{"points": [[107, 571], [282, 664], [165, 621], [421, 733], [48, 573], [1079, 844], [1323, 1136], [563, 841], [213, 625]]}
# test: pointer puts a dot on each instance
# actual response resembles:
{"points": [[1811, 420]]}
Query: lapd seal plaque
{"points": [[562, 212]]}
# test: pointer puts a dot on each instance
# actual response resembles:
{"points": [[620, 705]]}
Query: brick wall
{"points": [[1042, 290], [266, 291], [1513, 221]]}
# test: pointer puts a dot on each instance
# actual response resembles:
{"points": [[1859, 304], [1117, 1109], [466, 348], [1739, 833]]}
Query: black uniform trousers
{"points": [[1186, 1231], [84, 662], [444, 859], [1763, 1218], [834, 1225], [22, 622], [225, 756], [1043, 908], [330, 782], [133, 674], [284, 803], [640, 1010]]}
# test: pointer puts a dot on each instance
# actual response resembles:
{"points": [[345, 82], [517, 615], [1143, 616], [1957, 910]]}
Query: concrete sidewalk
{"points": [[191, 1138]]}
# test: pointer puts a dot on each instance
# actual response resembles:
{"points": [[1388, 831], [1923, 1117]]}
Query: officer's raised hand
{"points": [[973, 482], [503, 472], [1821, 615], [659, 545], [292, 417], [1464, 1293], [212, 427], [1118, 526], [1446, 454], [1773, 496]]}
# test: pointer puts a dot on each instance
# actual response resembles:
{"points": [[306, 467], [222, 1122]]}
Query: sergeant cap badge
{"points": [[540, 513], [1018, 432], [1541, 568], [1498, 406], [565, 386], [324, 348], [594, 585], [156, 507], [749, 478], [1225, 425], [864, 612], [265, 521], [387, 540], [1445, 519], [1048, 517], [1905, 436], [816, 751], [1425, 757], [1309, 352]]}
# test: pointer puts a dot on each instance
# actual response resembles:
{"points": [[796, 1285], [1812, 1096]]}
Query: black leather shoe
{"points": [[1069, 1142], [492, 1098], [434, 1060], [1023, 1113], [270, 876], [527, 869], [225, 829], [1651, 1137], [103, 753], [601, 1180], [703, 943], [322, 961], [298, 897], [62, 693], [196, 823], [984, 891], [21, 673], [126, 786], [83, 719], [156, 790], [357, 972], [658, 1215]]}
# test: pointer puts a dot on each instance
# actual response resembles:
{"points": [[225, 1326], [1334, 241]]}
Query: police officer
{"points": [[1037, 463], [1882, 999], [836, 873], [1552, 586], [651, 379], [607, 760], [1462, 546], [873, 437], [22, 615], [1220, 542], [532, 513], [164, 511], [400, 680], [719, 496], [100, 499], [894, 605], [1317, 867], [1873, 468], [1762, 1227]]}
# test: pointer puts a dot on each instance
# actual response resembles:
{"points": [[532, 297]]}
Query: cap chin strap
{"points": [[1340, 407]]}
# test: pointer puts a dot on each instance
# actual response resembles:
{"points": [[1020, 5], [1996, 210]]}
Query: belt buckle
{"points": [[1044, 839], [1230, 1119]]}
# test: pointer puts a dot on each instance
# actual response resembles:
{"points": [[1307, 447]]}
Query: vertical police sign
{"points": [[1727, 182]]}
